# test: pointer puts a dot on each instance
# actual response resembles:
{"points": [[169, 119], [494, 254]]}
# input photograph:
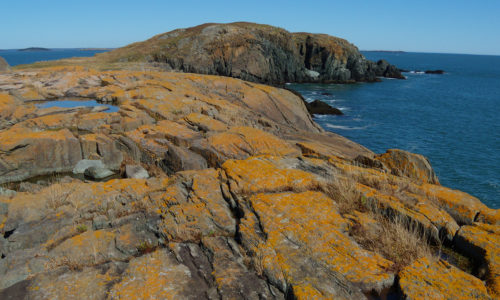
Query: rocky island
{"points": [[34, 49], [221, 187]]}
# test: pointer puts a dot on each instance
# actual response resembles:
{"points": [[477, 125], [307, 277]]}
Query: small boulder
{"points": [[319, 107], [84, 164], [6, 192], [136, 171], [98, 173]]}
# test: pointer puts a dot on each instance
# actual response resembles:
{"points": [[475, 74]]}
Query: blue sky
{"points": [[457, 26]]}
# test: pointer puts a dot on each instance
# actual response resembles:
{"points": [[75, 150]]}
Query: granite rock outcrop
{"points": [[255, 52], [247, 198]]}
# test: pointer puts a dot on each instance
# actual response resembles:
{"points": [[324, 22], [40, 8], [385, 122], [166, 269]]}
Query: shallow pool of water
{"points": [[77, 103]]}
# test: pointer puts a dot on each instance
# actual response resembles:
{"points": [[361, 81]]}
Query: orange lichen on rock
{"points": [[264, 174], [201, 210], [205, 123], [89, 284], [462, 206], [482, 242], [157, 275], [306, 227], [426, 279], [414, 166], [241, 142]]}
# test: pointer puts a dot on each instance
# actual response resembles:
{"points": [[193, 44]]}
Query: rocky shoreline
{"points": [[223, 189]]}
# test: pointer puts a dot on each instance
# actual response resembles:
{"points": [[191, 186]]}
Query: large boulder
{"points": [[404, 163], [254, 52]]}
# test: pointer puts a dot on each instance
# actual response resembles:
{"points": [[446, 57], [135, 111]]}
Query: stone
{"points": [[426, 279], [6, 192], [98, 173], [482, 243], [440, 72], [464, 208], [403, 163], [25, 153], [296, 240], [182, 159], [163, 275], [136, 171], [84, 164]]}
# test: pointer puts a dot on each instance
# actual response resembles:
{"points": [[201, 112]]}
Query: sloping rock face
{"points": [[258, 53], [4, 66], [247, 198]]}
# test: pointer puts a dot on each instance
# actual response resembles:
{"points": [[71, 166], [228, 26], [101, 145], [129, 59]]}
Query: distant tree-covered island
{"points": [[34, 49]]}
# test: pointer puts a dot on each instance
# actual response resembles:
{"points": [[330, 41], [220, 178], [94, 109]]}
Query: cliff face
{"points": [[258, 53], [247, 198]]}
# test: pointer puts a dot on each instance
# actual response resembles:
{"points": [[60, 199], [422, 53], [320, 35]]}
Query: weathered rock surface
{"points": [[246, 197], [414, 166], [482, 242], [98, 173], [439, 280], [136, 171], [254, 52], [4, 66]]}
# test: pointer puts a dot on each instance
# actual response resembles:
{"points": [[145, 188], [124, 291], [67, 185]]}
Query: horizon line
{"points": [[361, 50]]}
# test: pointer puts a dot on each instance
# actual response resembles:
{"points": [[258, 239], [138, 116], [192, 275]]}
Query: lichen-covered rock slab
{"points": [[426, 279]]}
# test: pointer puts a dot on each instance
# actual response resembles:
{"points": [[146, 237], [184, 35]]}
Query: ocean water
{"points": [[453, 119], [15, 57]]}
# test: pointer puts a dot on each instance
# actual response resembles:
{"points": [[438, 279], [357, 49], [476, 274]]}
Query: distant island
{"points": [[389, 51], [34, 49]]}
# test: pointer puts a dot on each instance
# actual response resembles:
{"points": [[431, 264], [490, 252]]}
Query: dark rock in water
{"points": [[255, 52], [98, 173], [319, 107], [326, 93], [434, 72], [384, 69], [4, 66]]}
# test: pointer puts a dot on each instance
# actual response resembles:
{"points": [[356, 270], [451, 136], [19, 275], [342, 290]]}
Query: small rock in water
{"points": [[434, 72], [136, 171], [98, 173], [321, 108]]}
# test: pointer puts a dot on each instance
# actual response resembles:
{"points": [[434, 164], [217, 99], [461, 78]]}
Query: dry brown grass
{"points": [[396, 239], [345, 193]]}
